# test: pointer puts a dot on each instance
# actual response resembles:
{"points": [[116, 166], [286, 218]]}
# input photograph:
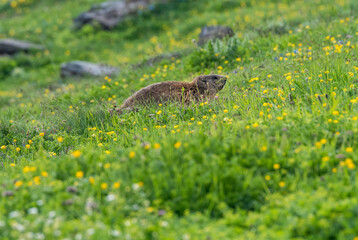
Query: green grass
{"points": [[273, 157]]}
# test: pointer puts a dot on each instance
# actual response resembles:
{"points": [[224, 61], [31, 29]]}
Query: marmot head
{"points": [[210, 83]]}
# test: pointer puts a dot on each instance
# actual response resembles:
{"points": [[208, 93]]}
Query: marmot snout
{"points": [[202, 88]]}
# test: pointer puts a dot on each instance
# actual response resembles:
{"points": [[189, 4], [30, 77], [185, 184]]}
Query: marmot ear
{"points": [[201, 83]]}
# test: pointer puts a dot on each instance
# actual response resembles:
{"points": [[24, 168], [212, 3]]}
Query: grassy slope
{"points": [[270, 159]]}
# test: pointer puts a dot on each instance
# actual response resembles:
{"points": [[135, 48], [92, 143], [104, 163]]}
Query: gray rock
{"points": [[12, 46], [71, 189], [109, 14], [7, 194], [214, 32], [81, 68]]}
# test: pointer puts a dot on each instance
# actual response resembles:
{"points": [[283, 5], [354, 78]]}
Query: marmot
{"points": [[202, 88]]}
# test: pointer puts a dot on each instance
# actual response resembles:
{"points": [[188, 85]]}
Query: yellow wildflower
{"points": [[116, 185], [177, 145], [131, 154], [150, 209], [37, 180], [349, 149], [91, 180], [18, 183], [79, 174], [76, 153]]}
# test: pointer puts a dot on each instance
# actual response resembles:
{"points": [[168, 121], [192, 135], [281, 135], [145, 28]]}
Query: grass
{"points": [[273, 157]]}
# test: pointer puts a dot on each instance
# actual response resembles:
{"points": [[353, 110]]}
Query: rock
{"points": [[81, 68], [7, 194], [67, 202], [340, 156], [71, 189], [12, 46], [109, 14], [214, 32]]}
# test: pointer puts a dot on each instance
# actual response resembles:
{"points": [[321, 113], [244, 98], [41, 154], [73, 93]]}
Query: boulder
{"points": [[81, 68], [12, 46], [109, 14], [214, 32]]}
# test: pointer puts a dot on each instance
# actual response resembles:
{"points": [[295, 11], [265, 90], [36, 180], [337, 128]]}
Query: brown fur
{"points": [[203, 87]]}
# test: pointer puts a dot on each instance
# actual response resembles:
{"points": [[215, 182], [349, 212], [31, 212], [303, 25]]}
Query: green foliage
{"points": [[7, 65], [215, 54]]}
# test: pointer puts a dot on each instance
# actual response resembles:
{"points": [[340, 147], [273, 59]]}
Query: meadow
{"points": [[272, 157]]}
